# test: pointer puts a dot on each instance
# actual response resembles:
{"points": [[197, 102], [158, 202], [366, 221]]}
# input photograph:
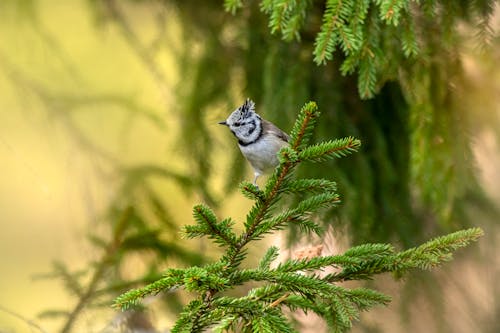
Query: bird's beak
{"points": [[222, 123]]}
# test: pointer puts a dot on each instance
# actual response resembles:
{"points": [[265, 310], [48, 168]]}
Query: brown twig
{"points": [[22, 318], [279, 300], [100, 270]]}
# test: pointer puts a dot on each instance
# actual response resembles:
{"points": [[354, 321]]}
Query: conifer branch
{"points": [[361, 29], [310, 186], [100, 269], [295, 283], [428, 255], [304, 125], [208, 226], [132, 297], [330, 149], [232, 5], [328, 36]]}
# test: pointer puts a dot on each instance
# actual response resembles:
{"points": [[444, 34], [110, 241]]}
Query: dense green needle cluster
{"points": [[363, 29], [295, 283]]}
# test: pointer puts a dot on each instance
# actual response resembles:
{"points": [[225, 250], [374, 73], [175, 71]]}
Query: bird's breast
{"points": [[262, 154]]}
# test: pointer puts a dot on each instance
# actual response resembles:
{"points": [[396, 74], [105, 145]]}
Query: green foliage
{"points": [[404, 54], [329, 150], [366, 260], [295, 283], [232, 5], [134, 230], [208, 226], [360, 29]]}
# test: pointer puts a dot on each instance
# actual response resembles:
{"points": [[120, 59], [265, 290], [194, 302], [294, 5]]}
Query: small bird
{"points": [[259, 140]]}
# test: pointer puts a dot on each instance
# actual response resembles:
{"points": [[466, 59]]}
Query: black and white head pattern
{"points": [[245, 123]]}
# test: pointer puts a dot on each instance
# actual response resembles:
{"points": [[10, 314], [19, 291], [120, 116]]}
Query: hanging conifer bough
{"points": [[293, 284], [394, 78], [371, 34]]}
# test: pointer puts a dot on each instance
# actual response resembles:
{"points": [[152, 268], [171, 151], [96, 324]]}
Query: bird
{"points": [[258, 139]]}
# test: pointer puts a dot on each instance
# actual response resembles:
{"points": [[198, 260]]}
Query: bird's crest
{"points": [[247, 108]]}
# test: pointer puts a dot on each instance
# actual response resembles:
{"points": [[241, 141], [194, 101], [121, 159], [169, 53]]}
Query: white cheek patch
{"points": [[252, 126]]}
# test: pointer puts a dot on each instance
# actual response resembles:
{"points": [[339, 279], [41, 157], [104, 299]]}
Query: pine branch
{"points": [[271, 255], [110, 251], [295, 283], [390, 10], [279, 15], [330, 149], [425, 256], [133, 297], [365, 31], [251, 191], [328, 37], [232, 5], [304, 125], [208, 226], [310, 186], [437, 251], [297, 17]]}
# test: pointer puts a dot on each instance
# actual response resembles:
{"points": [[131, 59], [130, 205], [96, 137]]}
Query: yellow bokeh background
{"points": [[52, 183]]}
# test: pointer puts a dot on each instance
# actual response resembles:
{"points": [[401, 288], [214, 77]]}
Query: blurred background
{"points": [[109, 135]]}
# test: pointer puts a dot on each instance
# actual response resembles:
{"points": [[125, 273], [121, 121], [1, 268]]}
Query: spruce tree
{"points": [[294, 284]]}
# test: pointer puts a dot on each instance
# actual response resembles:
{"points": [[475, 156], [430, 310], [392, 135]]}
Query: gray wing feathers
{"points": [[271, 128]]}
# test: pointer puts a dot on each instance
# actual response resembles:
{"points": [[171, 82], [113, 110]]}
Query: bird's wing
{"points": [[268, 126]]}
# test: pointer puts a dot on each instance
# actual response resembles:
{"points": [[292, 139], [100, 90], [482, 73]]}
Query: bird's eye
{"points": [[237, 123]]}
